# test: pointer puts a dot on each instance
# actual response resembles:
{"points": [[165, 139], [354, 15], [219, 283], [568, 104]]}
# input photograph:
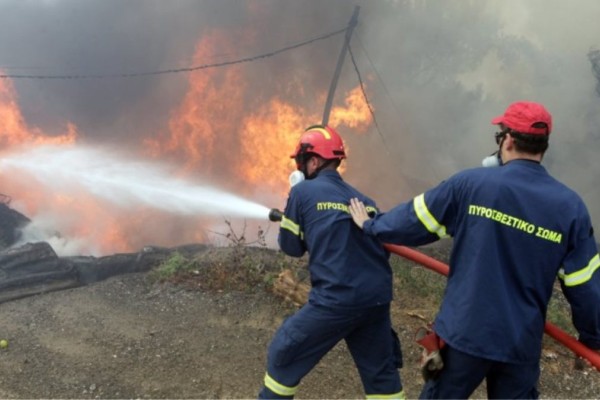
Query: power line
{"points": [[407, 179], [383, 85], [364, 93], [385, 88], [172, 70]]}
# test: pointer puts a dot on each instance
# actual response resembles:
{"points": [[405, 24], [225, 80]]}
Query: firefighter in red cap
{"points": [[351, 279], [515, 229]]}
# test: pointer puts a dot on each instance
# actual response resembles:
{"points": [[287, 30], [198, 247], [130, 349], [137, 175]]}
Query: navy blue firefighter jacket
{"points": [[515, 229], [348, 269]]}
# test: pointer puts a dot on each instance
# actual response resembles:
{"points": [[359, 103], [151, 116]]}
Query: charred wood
{"points": [[34, 268], [11, 222]]}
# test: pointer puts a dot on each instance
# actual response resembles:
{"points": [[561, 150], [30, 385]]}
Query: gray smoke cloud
{"points": [[436, 73]]}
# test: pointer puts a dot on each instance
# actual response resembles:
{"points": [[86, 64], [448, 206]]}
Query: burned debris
{"points": [[11, 222], [35, 268]]}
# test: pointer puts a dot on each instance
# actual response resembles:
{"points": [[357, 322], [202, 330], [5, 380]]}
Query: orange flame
{"points": [[269, 138], [202, 129], [216, 131], [222, 130], [355, 114], [13, 128]]}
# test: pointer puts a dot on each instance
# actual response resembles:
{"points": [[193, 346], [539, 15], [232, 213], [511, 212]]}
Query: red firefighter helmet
{"points": [[321, 140]]}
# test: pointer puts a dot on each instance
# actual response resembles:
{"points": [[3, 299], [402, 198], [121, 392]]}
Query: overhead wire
{"points": [[172, 70], [379, 78], [384, 86], [407, 179], [364, 93]]}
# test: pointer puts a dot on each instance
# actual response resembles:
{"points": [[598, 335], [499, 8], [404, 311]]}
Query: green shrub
{"points": [[173, 265]]}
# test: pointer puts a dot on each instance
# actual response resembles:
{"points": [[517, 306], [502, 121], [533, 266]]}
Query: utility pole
{"points": [[340, 63]]}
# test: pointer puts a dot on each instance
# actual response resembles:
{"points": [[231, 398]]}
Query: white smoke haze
{"points": [[436, 72], [44, 229]]}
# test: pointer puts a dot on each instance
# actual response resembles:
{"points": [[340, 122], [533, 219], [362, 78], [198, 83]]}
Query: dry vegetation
{"points": [[418, 292]]}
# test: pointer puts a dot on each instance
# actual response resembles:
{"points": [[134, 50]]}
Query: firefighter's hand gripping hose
{"points": [[431, 359], [275, 215]]}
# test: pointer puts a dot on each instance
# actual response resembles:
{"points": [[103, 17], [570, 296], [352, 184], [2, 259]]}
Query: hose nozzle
{"points": [[275, 215]]}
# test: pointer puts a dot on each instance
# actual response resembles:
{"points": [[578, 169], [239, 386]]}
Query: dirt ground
{"points": [[132, 337]]}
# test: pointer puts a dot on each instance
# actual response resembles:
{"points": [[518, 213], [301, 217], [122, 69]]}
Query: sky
{"points": [[435, 73]]}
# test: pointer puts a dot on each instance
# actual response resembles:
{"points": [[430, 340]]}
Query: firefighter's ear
{"points": [[510, 141]]}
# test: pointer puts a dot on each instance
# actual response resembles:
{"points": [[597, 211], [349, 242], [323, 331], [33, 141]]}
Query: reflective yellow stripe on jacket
{"points": [[581, 276], [291, 226], [426, 218]]}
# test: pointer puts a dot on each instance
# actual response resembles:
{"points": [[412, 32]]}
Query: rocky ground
{"points": [[198, 336]]}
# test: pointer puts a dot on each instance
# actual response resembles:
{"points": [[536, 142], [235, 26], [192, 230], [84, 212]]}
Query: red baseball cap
{"points": [[522, 115]]}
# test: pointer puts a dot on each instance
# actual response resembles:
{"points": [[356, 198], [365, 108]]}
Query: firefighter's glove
{"points": [[581, 363], [431, 361]]}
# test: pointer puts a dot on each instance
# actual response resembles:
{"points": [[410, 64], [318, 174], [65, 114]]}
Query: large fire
{"points": [[222, 131], [218, 128]]}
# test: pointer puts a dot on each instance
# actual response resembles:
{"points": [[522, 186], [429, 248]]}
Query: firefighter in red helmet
{"points": [[322, 141], [351, 279], [515, 230]]}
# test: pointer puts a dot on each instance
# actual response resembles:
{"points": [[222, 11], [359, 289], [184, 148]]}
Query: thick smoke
{"points": [[436, 72]]}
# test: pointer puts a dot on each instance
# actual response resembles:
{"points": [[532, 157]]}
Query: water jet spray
{"points": [[126, 184]]}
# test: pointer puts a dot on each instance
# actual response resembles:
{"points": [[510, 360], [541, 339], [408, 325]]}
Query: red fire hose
{"points": [[553, 331]]}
